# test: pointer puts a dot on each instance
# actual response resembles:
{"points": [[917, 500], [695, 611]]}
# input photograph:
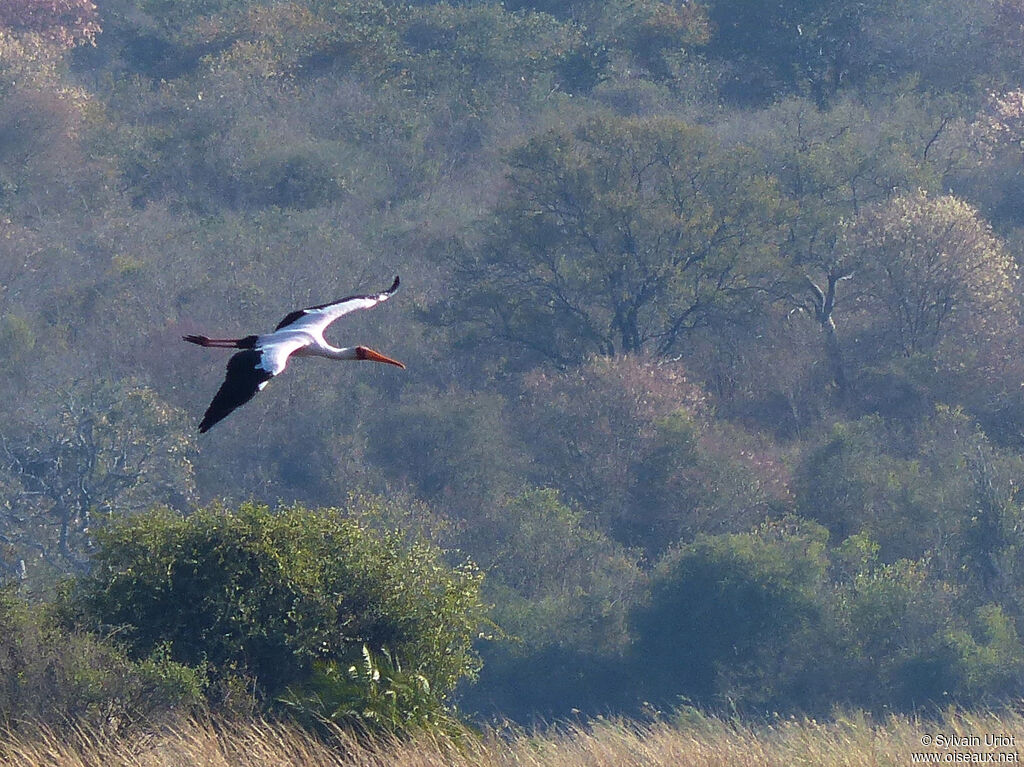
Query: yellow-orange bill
{"points": [[370, 354]]}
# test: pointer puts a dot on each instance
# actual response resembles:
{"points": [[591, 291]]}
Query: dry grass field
{"points": [[697, 741]]}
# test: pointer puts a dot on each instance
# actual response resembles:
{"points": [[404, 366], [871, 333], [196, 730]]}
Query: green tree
{"points": [[804, 45], [484, 54], [853, 480], [620, 237], [992, 652], [452, 447], [918, 36], [737, 618], [47, 166], [937, 489], [554, 578], [562, 592], [657, 35], [908, 641], [270, 595], [977, 506]]}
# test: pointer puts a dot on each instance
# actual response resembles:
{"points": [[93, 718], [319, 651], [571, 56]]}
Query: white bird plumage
{"points": [[299, 334]]}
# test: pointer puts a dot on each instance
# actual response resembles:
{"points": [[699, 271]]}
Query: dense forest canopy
{"points": [[711, 316]]}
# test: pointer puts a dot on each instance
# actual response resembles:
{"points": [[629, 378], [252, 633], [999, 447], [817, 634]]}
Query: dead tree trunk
{"points": [[824, 305]]}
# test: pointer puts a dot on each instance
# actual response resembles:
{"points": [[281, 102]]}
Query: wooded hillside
{"points": [[710, 311]]}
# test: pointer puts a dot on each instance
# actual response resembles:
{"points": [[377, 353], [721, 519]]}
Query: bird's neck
{"points": [[334, 353]]}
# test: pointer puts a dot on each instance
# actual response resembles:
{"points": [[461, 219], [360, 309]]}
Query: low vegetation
{"points": [[853, 741]]}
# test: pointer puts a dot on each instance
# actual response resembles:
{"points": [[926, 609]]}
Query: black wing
{"points": [[245, 377], [325, 314]]}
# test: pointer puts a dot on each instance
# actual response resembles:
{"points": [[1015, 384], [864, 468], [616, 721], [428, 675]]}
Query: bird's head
{"points": [[365, 353]]}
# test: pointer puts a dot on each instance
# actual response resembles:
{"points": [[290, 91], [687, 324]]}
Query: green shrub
{"points": [[554, 578], [372, 691], [273, 596], [736, 618], [51, 674], [775, 619]]}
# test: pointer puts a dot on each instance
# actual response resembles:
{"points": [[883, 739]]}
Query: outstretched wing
{"points": [[245, 377], [315, 318]]}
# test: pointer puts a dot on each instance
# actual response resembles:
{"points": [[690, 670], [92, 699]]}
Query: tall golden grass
{"points": [[693, 741]]}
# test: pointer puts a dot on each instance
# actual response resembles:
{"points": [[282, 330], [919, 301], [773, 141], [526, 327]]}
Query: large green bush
{"points": [[272, 595], [736, 619]]}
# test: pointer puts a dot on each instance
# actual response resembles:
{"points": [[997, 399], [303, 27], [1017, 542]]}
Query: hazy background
{"points": [[710, 312]]}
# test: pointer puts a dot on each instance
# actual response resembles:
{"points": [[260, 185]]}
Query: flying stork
{"points": [[300, 334]]}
